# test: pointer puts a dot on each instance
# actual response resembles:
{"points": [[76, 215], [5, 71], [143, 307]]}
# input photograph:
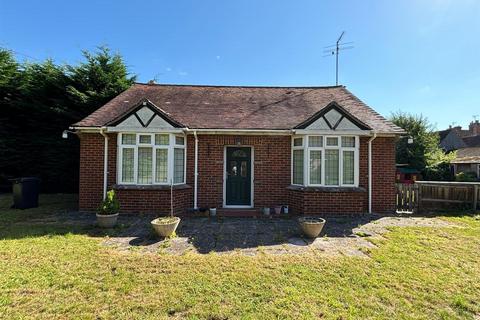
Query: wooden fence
{"points": [[425, 195]]}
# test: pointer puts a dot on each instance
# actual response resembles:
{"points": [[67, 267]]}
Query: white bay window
{"points": [[325, 160], [146, 158]]}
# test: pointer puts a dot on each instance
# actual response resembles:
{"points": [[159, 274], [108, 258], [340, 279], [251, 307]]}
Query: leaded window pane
{"points": [[315, 141], [178, 165], [161, 166], [348, 167], [298, 142], [298, 166], [128, 155], [315, 167], [331, 167], [179, 140], [332, 141], [128, 138], [146, 139], [144, 174], [161, 139], [348, 142]]}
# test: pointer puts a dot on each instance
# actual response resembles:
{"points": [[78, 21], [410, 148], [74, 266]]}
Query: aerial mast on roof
{"points": [[335, 49]]}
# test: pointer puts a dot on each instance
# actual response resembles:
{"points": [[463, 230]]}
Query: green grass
{"points": [[416, 273]]}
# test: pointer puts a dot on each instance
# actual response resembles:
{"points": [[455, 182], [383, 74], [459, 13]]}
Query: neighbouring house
{"points": [[451, 139], [467, 145], [318, 150], [467, 161], [455, 138]]}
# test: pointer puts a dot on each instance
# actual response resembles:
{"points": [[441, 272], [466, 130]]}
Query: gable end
{"points": [[333, 117], [145, 115]]}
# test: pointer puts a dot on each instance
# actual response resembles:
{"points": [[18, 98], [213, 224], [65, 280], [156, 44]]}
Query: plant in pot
{"points": [[166, 226], [311, 226], [278, 209], [107, 212]]}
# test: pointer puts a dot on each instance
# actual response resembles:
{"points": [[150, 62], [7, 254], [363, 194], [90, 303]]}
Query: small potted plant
{"points": [[107, 213], [278, 209], [166, 226], [266, 211], [311, 226], [213, 211]]}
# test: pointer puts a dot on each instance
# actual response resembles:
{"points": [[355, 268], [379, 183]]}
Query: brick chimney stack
{"points": [[474, 128]]}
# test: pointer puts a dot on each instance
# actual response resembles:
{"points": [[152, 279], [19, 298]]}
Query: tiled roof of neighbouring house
{"points": [[473, 141], [232, 107], [468, 155]]}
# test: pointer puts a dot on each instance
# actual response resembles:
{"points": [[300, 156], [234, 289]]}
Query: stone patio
{"points": [[349, 236]]}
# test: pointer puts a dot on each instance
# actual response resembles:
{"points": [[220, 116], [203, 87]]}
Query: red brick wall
{"points": [[322, 201], [272, 169], [155, 201], [383, 167], [91, 171]]}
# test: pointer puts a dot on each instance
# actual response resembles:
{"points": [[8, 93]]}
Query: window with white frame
{"points": [[325, 160], [145, 158]]}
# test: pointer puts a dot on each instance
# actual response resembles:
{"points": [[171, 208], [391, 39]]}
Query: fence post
{"points": [[419, 197], [475, 197]]}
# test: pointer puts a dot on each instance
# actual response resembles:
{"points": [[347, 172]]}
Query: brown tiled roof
{"points": [[468, 155], [231, 107], [472, 141]]}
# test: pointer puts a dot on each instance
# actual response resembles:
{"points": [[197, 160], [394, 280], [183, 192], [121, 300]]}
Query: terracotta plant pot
{"points": [[278, 209], [107, 220], [165, 226], [311, 226]]}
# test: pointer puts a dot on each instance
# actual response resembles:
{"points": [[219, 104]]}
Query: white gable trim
{"points": [[144, 117], [130, 122], [158, 122], [145, 114], [333, 120]]}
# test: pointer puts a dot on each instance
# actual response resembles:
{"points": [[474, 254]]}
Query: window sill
{"points": [[326, 189], [149, 187]]}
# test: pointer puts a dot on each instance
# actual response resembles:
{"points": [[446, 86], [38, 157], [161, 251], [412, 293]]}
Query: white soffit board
{"points": [[333, 116], [158, 122], [145, 114], [319, 124], [130, 122], [346, 124]]}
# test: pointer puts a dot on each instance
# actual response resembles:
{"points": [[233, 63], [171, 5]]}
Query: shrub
{"points": [[110, 205], [438, 172], [466, 177]]}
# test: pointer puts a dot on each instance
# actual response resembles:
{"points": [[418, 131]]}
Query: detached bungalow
{"points": [[317, 150]]}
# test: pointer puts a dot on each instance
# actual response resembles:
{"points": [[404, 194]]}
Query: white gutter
{"points": [[105, 163], [370, 171], [195, 187]]}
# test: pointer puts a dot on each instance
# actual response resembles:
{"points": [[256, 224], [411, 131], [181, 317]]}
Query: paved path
{"points": [[341, 236]]}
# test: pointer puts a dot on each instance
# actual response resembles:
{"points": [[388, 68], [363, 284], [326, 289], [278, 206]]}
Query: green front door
{"points": [[238, 176]]}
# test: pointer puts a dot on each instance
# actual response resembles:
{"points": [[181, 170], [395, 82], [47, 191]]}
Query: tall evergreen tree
{"points": [[39, 100], [97, 80]]}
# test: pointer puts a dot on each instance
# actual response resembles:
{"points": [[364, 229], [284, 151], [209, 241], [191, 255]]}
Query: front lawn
{"points": [[416, 273]]}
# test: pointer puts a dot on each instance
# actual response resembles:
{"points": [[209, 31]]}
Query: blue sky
{"points": [[419, 56]]}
